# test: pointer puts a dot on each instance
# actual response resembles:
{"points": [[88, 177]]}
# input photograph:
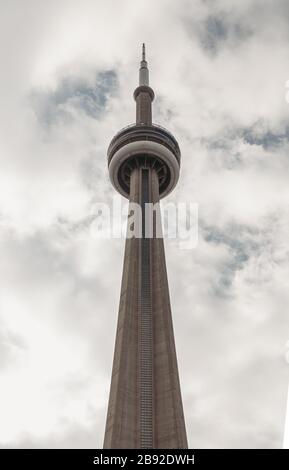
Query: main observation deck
{"points": [[137, 143]]}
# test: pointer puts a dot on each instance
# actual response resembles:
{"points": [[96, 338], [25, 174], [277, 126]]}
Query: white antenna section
{"points": [[143, 71]]}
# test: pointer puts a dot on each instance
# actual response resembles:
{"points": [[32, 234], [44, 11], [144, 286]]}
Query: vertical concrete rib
{"points": [[146, 325]]}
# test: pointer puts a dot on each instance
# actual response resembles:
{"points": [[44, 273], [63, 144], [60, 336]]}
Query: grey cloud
{"points": [[268, 139], [241, 247], [12, 346], [227, 150], [217, 30], [73, 93]]}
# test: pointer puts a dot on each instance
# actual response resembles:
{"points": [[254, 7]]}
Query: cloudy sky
{"points": [[219, 70]]}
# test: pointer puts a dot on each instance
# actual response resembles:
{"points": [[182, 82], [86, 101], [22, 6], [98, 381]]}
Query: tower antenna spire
{"points": [[143, 71]]}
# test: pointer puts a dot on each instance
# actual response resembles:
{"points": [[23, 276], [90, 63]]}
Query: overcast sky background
{"points": [[68, 72]]}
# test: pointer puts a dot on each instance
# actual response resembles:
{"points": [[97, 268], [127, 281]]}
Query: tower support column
{"points": [[145, 405]]}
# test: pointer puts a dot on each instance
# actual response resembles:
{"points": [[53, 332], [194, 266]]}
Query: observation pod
{"points": [[144, 143]]}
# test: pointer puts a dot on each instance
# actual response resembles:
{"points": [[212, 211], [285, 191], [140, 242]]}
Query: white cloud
{"points": [[219, 71]]}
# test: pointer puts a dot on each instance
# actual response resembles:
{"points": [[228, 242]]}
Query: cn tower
{"points": [[145, 408]]}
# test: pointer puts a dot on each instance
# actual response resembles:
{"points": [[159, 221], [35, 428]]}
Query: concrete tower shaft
{"points": [[145, 406]]}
